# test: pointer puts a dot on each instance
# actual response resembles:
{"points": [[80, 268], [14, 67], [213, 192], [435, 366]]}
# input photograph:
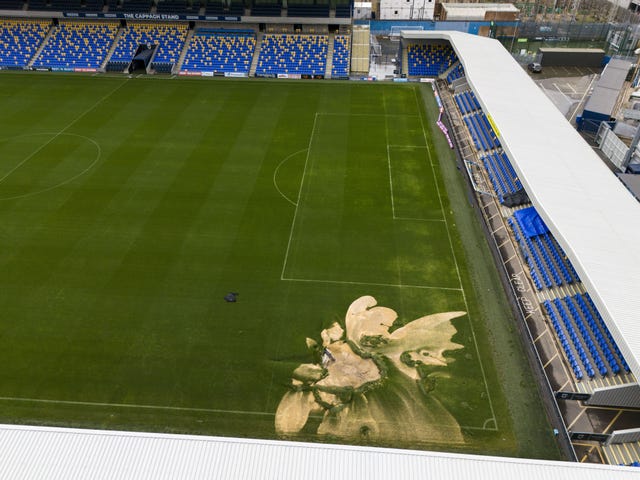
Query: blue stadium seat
{"points": [[341, 56], [457, 72], [292, 54], [19, 40], [429, 60], [212, 50], [77, 45]]}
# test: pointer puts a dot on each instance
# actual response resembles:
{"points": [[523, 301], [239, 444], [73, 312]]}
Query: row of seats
{"points": [[429, 60], [568, 350], [550, 246], [341, 55], [19, 40], [539, 273], [467, 102], [577, 316], [595, 319], [77, 45], [552, 267], [481, 131], [455, 73], [218, 51], [503, 178], [11, 4], [222, 7], [298, 54], [591, 332]]}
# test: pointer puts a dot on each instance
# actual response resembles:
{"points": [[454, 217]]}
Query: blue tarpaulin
{"points": [[530, 222]]}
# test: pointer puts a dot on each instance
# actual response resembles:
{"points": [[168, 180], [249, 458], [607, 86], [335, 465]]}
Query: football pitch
{"points": [[130, 207]]}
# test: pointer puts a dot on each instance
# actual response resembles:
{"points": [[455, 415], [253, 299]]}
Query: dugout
{"points": [[572, 57]]}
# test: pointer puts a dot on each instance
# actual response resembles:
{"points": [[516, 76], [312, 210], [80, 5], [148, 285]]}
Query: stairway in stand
{"points": [[330, 48], [256, 55], [41, 46], [178, 66]]}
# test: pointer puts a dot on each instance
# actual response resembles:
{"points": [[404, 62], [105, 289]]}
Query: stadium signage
{"points": [[520, 288], [588, 436], [573, 396], [151, 16]]}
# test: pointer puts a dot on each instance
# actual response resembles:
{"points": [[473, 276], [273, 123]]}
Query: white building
{"points": [[407, 9]]}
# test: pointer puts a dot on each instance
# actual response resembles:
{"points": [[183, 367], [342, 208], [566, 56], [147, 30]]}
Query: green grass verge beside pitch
{"points": [[130, 207]]}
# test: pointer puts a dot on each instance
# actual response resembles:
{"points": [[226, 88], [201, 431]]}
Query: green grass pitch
{"points": [[130, 207]]}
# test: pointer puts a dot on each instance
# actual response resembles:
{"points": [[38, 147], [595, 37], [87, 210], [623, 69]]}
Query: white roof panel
{"points": [[35, 453], [594, 218]]}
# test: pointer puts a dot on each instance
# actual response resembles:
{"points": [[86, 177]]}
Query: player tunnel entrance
{"points": [[142, 58]]}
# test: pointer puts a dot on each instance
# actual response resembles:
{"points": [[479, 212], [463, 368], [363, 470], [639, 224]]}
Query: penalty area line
{"points": [[132, 406]]}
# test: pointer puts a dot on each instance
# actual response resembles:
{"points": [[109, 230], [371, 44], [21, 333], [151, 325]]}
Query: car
{"points": [[535, 67]]}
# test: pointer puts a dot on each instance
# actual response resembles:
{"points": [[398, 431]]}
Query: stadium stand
{"points": [[94, 5], [587, 344], [176, 6], [169, 37], [343, 9], [292, 54], [77, 45], [224, 51], [134, 6], [19, 40], [267, 8], [307, 8], [11, 4], [585, 339], [66, 5], [341, 56], [429, 60], [590, 337], [38, 5], [214, 7]]}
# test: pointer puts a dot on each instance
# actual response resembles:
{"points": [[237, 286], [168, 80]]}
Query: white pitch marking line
{"points": [[349, 114], [393, 208], [455, 261], [275, 173], [30, 156], [419, 219], [346, 282], [408, 146], [131, 405], [160, 407], [295, 214]]}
